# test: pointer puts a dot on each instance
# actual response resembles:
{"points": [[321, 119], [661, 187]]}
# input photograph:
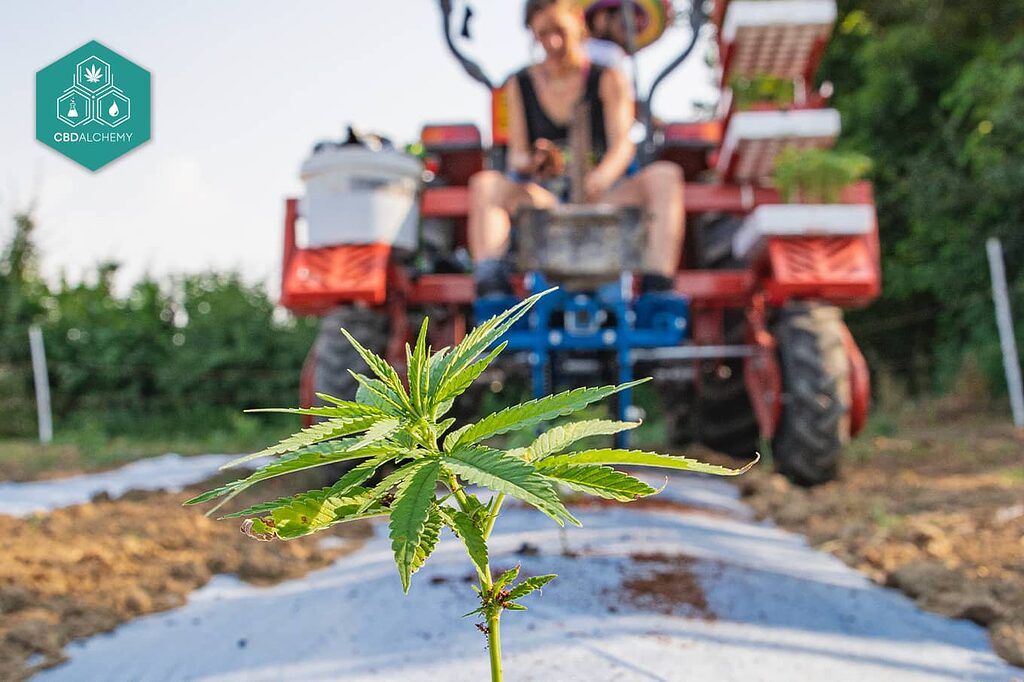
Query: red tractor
{"points": [[750, 347]]}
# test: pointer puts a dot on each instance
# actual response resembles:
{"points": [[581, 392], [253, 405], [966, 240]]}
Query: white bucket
{"points": [[355, 195]]}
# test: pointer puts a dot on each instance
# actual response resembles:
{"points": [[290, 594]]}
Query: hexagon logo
{"points": [[93, 105]]}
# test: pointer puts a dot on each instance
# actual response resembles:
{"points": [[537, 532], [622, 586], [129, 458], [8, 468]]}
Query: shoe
{"points": [[493, 277], [653, 283]]}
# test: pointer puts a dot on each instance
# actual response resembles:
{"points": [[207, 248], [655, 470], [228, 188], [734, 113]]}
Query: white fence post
{"points": [[42, 381], [1011, 361]]}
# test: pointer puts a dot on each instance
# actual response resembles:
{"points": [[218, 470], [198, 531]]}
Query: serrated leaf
{"points": [[341, 408], [375, 392], [515, 607], [480, 339], [640, 458], [463, 379], [431, 536], [418, 374], [349, 485], [529, 585], [381, 368], [317, 433], [463, 525], [530, 413], [452, 438], [306, 458], [409, 514], [322, 494], [308, 513], [560, 437], [506, 578], [602, 481], [376, 433], [501, 473], [396, 478]]}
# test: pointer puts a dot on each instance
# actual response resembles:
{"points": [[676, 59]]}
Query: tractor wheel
{"points": [[335, 355], [725, 417], [677, 401], [815, 422]]}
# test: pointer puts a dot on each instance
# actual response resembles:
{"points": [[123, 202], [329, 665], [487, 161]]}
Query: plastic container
{"points": [[358, 195]]}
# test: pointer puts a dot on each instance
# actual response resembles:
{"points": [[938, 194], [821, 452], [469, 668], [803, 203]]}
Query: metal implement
{"points": [[609, 319]]}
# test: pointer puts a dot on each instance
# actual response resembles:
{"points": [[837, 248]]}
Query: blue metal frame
{"points": [[610, 318]]}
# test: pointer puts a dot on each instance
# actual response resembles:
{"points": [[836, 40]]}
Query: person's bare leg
{"points": [[489, 224], [662, 187], [493, 198]]}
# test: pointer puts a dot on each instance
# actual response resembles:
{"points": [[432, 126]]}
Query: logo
{"points": [[93, 105]]}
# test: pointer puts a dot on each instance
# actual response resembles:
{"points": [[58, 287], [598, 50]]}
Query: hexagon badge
{"points": [[93, 105]]}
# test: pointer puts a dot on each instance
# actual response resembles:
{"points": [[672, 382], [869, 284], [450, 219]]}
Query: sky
{"points": [[241, 90]]}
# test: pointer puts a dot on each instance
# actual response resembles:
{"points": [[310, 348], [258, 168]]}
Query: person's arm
{"points": [[618, 106], [520, 155]]}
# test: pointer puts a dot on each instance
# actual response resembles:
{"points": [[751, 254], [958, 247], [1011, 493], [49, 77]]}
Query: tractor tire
{"points": [[677, 410], [335, 355], [815, 421], [725, 416]]}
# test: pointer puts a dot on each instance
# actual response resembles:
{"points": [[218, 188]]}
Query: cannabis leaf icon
{"points": [[93, 74]]}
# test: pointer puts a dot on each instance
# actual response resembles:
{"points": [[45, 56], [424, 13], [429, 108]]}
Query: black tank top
{"points": [[539, 125]]}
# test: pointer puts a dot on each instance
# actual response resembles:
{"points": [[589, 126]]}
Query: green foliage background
{"points": [[933, 92], [169, 357]]}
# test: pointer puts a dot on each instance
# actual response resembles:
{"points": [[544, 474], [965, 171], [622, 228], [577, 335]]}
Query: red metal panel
{"points": [[443, 289], [315, 280], [837, 269], [860, 384], [726, 288], [761, 372], [450, 135], [444, 202], [453, 202]]}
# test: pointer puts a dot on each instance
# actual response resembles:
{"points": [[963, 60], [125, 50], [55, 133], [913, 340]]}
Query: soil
{"points": [[83, 570], [666, 584], [937, 512]]}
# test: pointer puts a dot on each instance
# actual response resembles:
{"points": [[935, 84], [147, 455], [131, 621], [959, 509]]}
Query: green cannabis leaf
{"points": [[400, 426]]}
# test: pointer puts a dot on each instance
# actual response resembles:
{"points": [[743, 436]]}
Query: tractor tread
{"points": [[815, 421]]}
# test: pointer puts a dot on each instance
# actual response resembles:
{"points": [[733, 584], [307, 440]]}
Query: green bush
{"points": [[168, 357]]}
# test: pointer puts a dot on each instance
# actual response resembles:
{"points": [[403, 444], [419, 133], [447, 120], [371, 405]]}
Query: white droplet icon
{"points": [[113, 110]]}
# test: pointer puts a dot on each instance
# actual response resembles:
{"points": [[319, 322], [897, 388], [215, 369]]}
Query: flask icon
{"points": [[72, 110]]}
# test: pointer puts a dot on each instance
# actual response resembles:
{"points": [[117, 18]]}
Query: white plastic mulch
{"points": [[784, 612], [167, 472]]}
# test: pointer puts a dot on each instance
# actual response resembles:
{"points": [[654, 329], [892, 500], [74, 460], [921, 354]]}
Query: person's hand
{"points": [[548, 161], [596, 184]]}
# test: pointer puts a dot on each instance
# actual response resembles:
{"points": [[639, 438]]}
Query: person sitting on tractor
{"points": [[541, 100]]}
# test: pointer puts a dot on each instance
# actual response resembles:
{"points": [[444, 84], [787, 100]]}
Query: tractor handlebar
{"points": [[697, 18], [468, 65]]}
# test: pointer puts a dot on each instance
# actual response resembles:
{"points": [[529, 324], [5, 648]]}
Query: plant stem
{"points": [[493, 516], [494, 644]]}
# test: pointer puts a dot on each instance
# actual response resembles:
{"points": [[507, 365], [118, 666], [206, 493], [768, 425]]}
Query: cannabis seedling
{"points": [[404, 426]]}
